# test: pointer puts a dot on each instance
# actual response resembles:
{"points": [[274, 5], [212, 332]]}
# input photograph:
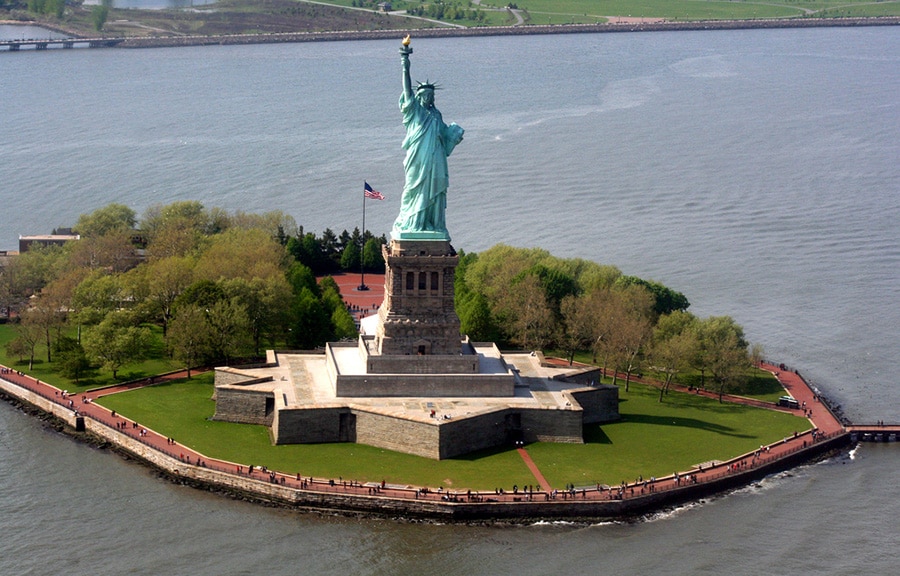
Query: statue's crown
{"points": [[426, 85]]}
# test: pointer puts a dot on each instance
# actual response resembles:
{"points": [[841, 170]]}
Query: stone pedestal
{"points": [[417, 317]]}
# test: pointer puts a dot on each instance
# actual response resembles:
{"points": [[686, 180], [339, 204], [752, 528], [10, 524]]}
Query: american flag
{"points": [[373, 194]]}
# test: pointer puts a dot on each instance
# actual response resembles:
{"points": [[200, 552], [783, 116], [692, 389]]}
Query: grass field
{"points": [[652, 439], [587, 11]]}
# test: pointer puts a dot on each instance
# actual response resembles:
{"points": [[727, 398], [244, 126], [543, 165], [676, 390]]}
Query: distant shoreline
{"points": [[650, 25]]}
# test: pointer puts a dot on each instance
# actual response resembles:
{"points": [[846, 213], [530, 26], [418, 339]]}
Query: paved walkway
{"points": [[545, 486], [361, 303], [826, 426]]}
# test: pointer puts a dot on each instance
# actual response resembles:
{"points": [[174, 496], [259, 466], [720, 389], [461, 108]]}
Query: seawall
{"points": [[580, 504]]}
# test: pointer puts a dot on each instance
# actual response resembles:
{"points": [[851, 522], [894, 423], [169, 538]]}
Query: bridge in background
{"points": [[45, 43]]}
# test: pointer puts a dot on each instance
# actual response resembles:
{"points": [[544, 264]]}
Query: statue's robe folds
{"points": [[428, 142]]}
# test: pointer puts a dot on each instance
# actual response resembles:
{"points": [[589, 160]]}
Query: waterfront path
{"points": [[825, 426]]}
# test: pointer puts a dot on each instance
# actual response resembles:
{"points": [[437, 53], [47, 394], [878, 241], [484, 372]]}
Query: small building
{"points": [[385, 6], [26, 242]]}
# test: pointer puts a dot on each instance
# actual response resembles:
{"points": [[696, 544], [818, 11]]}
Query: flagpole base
{"points": [[362, 288]]}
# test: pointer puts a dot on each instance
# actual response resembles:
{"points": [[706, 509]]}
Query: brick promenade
{"points": [[825, 425]]}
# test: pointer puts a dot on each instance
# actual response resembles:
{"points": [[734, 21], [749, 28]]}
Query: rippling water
{"points": [[755, 171]]}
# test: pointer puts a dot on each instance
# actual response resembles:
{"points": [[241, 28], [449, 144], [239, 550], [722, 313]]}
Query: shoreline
{"points": [[537, 29], [95, 425], [621, 25]]}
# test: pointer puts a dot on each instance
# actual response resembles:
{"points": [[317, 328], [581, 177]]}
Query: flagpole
{"points": [[362, 237]]}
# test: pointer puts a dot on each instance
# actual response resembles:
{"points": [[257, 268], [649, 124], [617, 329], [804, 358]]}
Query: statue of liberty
{"points": [[428, 142]]}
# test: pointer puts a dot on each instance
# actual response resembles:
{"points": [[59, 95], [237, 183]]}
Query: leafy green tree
{"points": [[666, 300], [372, 259], [178, 229], [723, 352], [266, 302], [99, 16], [240, 253], [202, 293], [95, 297], [311, 326], [71, 360], [350, 257], [116, 341], [342, 324], [673, 344], [111, 218], [158, 284], [308, 250], [300, 276], [190, 337], [577, 325], [229, 337], [476, 320], [112, 250], [30, 271]]}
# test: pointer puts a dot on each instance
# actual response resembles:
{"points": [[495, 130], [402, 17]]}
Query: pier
{"points": [[874, 432]]}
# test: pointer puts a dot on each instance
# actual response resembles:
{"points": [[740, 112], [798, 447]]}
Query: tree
{"points": [[372, 259], [28, 337], [190, 337], [240, 253], [674, 343], [177, 229], [202, 293], [95, 297], [99, 15], [475, 318], [115, 341], [111, 218], [723, 351], [666, 300], [350, 257], [46, 316], [112, 251], [266, 302], [30, 271], [300, 276], [526, 312], [71, 360], [228, 332], [311, 326], [342, 324], [161, 282], [576, 325]]}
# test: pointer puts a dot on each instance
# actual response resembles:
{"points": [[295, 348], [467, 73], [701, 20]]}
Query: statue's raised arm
{"points": [[428, 142], [405, 51]]}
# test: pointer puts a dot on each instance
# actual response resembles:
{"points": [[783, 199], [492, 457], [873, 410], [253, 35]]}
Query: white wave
{"points": [[704, 67]]}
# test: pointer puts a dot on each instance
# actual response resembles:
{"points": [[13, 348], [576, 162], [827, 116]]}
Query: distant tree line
{"points": [[219, 286]]}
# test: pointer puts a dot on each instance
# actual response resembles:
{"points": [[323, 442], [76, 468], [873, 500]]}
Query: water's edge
{"points": [[260, 492]]}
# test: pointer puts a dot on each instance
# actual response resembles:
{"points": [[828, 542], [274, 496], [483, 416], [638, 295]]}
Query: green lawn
{"points": [[657, 439], [651, 439]]}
